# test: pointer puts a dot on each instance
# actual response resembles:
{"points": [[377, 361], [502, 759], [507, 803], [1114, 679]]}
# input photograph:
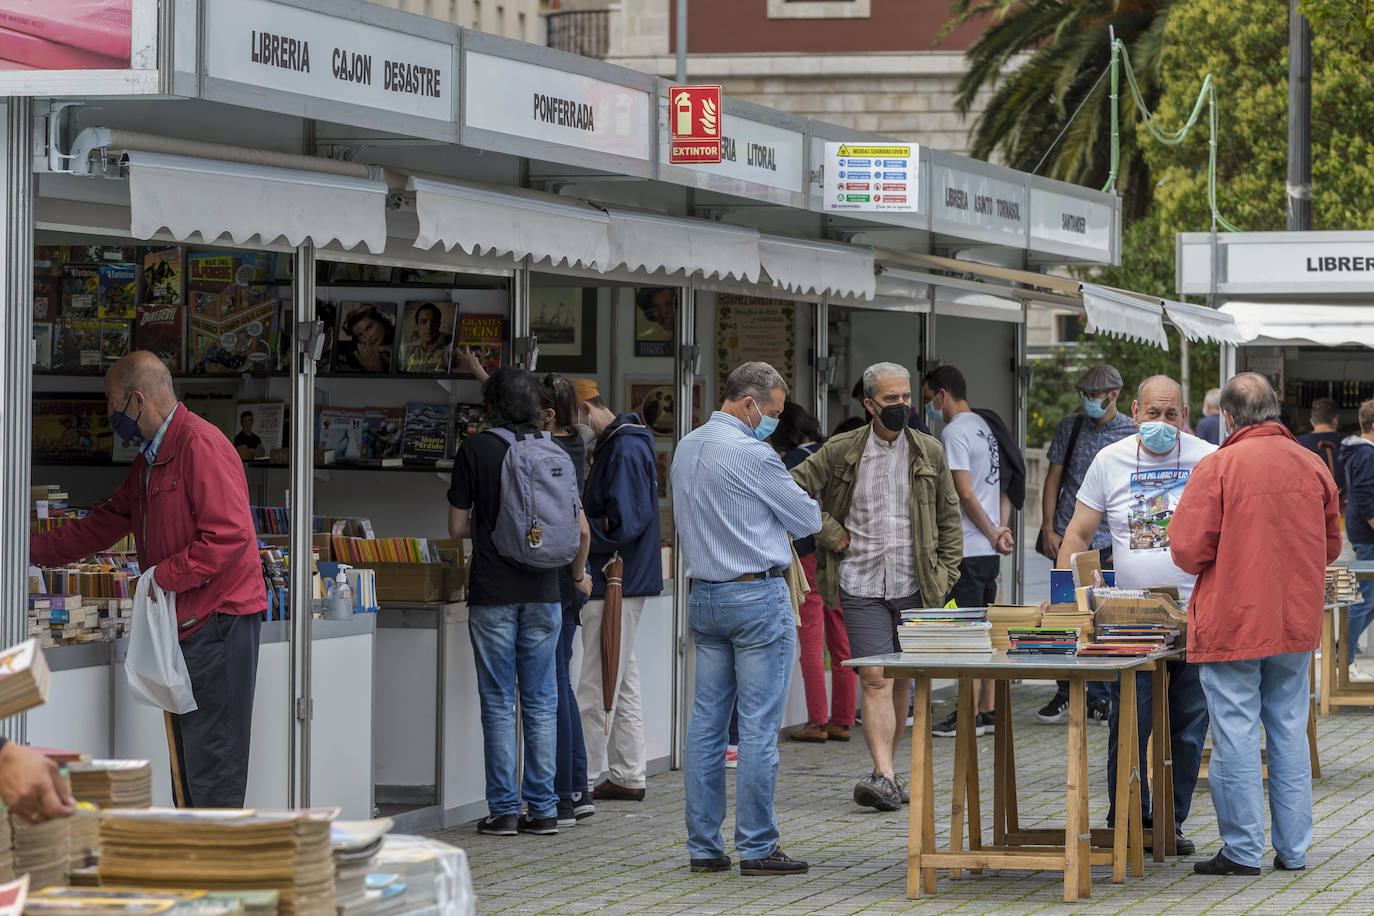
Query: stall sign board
{"points": [[872, 177], [963, 200], [694, 124], [1278, 263], [756, 160], [1066, 224], [324, 58]]}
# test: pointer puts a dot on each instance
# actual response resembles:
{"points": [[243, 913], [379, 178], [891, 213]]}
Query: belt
{"points": [[775, 572]]}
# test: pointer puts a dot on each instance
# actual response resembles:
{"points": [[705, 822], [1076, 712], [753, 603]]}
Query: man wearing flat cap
{"points": [[1077, 440], [621, 501]]}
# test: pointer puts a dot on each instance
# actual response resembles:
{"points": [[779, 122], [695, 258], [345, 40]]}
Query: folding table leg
{"points": [[1125, 765], [921, 817], [963, 729], [1073, 827]]}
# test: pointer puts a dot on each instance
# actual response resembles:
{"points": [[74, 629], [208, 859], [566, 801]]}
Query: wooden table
{"points": [[1071, 849], [1335, 688]]}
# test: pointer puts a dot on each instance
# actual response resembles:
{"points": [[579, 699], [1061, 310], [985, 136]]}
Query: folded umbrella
{"points": [[614, 570]]}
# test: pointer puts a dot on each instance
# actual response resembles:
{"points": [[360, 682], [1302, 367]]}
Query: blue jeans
{"points": [[1362, 611], [1187, 731], [746, 645], [1241, 695], [514, 647], [570, 777]]}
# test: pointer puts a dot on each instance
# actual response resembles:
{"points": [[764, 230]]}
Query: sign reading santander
{"points": [[694, 124]]}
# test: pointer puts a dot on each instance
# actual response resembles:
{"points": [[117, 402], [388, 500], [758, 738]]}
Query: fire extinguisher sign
{"points": [[694, 124]]}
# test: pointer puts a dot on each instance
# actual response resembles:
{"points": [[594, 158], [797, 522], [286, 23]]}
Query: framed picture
{"points": [[656, 403], [655, 320], [564, 320]]}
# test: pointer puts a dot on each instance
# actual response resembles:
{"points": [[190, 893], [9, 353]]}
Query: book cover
{"points": [[209, 270], [252, 267], [483, 335], [327, 313], [118, 285], [366, 338], [382, 433], [261, 424], [80, 290], [239, 343], [216, 402], [340, 430], [162, 276], [426, 432], [161, 328], [70, 427], [42, 345], [114, 340], [77, 345], [426, 337], [48, 259], [47, 297], [468, 420]]}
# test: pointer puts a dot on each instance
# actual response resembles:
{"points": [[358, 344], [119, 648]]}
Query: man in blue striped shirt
{"points": [[736, 509]]}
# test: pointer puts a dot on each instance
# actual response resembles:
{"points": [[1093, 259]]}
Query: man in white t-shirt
{"points": [[1136, 483], [974, 460]]}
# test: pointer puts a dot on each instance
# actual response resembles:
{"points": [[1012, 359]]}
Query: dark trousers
{"points": [[570, 773], [209, 746], [977, 585], [1187, 730]]}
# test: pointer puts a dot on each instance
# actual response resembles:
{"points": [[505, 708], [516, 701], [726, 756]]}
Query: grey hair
{"points": [[877, 371], [1212, 398], [1250, 400], [1140, 391], [755, 380]]}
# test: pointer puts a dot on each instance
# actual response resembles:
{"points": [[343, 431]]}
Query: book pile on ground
{"points": [[23, 678], [1043, 641], [1341, 585], [433, 873], [358, 892], [112, 901], [42, 850], [113, 783], [945, 630], [1005, 616], [223, 850]]}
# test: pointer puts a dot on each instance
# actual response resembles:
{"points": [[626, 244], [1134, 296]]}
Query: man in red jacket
{"points": [[186, 503], [1258, 522]]}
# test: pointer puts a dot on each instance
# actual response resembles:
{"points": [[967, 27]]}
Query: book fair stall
{"points": [[328, 254]]}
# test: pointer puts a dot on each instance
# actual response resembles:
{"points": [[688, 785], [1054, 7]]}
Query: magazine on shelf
{"points": [[230, 346], [76, 346], [80, 290], [383, 433], [260, 421], [426, 337], [160, 327], [426, 432], [118, 285], [162, 276], [482, 334], [366, 339], [115, 337], [340, 430]]}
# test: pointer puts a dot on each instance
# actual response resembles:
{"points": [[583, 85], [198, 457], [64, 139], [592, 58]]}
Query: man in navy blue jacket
{"points": [[621, 502], [1357, 456]]}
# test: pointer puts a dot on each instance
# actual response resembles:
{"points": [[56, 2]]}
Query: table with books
{"points": [[961, 649], [1335, 687]]}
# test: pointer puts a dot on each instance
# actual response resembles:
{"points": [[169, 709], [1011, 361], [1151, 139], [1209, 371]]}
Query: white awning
{"points": [[653, 242], [1198, 322], [963, 304], [212, 198], [1288, 324], [483, 220], [1121, 314], [807, 266]]}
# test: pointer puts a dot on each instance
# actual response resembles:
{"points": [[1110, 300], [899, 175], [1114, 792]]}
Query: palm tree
{"points": [[1063, 87]]}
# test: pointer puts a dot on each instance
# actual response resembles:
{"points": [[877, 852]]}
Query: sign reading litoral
{"points": [[694, 124], [872, 177]]}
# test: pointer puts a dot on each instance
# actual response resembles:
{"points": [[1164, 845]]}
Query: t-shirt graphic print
{"points": [[1154, 496]]}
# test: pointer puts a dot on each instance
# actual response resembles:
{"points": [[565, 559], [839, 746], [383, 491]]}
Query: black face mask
{"points": [[894, 417]]}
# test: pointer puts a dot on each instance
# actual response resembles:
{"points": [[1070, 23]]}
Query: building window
{"points": [[500, 20], [818, 9], [1067, 328], [520, 24], [477, 14]]}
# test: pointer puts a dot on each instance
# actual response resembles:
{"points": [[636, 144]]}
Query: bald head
{"points": [[1160, 398], [140, 386], [1249, 399]]}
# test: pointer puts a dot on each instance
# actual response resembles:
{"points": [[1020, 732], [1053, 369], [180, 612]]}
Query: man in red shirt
{"points": [[186, 502]]}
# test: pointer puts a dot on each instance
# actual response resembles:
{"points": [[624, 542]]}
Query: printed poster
{"points": [[755, 330], [1154, 497], [655, 320], [655, 400]]}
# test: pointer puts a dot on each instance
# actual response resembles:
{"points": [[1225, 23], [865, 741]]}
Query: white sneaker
{"points": [[1360, 674]]}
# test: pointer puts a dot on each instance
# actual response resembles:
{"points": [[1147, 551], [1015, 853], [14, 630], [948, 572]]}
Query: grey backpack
{"points": [[537, 524]]}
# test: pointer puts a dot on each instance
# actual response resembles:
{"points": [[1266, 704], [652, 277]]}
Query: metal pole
{"points": [[681, 29], [302, 503], [684, 379], [1185, 374], [16, 368], [1021, 387], [1299, 120], [820, 341]]}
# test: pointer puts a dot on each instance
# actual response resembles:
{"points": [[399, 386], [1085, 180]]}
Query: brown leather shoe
{"points": [[837, 732], [813, 733], [609, 791]]}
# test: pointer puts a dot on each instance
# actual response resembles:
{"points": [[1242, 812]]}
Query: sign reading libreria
{"points": [[286, 48]]}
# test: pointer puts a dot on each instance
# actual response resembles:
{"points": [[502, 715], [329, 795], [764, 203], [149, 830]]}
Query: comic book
{"points": [[211, 293], [42, 345], [161, 328], [239, 343], [162, 276], [77, 345], [115, 334], [118, 290], [70, 426], [483, 335], [382, 433], [80, 290], [47, 297]]}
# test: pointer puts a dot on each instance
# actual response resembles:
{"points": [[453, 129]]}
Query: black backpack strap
{"points": [[1068, 452]]}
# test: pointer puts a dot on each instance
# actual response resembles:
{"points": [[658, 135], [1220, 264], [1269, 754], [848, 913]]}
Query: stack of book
{"points": [[83, 846], [1043, 641], [6, 851], [1005, 616], [42, 850], [945, 631], [357, 890], [1130, 639], [433, 873], [1341, 585], [23, 678], [1064, 616], [223, 850], [69, 620], [98, 901], [113, 783]]}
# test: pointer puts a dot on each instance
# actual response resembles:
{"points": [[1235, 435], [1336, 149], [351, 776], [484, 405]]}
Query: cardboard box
{"points": [[1160, 609], [423, 583]]}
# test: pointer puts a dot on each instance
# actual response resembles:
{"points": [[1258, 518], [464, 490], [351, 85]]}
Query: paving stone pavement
{"points": [[631, 858]]}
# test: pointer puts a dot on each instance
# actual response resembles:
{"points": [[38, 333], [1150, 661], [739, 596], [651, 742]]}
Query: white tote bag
{"points": [[154, 666]]}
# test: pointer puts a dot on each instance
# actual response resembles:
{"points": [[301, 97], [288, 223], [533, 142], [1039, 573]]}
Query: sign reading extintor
{"points": [[694, 122]]}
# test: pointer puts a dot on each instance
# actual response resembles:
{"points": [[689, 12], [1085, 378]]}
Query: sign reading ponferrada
{"points": [[872, 177], [286, 48], [694, 124]]}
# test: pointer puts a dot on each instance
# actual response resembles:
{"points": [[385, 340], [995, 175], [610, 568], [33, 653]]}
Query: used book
{"points": [[23, 678]]}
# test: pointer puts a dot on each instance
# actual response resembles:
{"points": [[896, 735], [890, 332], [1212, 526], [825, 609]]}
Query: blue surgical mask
{"points": [[766, 425], [126, 427], [1158, 436], [1094, 407], [933, 415]]}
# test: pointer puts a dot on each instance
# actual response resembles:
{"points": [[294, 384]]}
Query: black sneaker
{"points": [[948, 727], [1097, 712], [543, 826], [778, 863], [877, 791], [716, 863], [583, 808], [498, 825], [984, 723], [1220, 865], [566, 816], [1056, 711]]}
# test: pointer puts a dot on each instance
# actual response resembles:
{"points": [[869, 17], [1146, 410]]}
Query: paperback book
{"points": [[482, 334], [80, 290], [118, 285], [161, 328], [340, 430], [77, 345], [426, 433], [162, 276]]}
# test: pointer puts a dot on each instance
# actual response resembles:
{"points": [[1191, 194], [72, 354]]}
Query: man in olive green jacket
{"points": [[891, 539]]}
